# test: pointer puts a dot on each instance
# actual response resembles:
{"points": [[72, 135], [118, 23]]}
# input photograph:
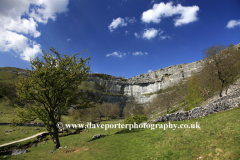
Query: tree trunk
{"points": [[56, 138], [221, 90], [220, 93], [226, 90]]}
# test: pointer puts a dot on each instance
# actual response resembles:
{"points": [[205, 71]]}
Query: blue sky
{"points": [[123, 37]]}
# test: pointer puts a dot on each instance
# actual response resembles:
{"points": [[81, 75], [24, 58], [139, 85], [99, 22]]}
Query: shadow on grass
{"points": [[125, 131]]}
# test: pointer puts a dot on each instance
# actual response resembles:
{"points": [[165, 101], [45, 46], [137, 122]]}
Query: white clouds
{"points": [[164, 37], [119, 22], [116, 23], [45, 9], [26, 26], [69, 39], [20, 44], [30, 51], [120, 55], [161, 10], [131, 20], [150, 33], [136, 35], [126, 32], [13, 26], [233, 23], [116, 54], [139, 53]]}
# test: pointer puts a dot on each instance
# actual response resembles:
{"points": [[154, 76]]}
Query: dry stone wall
{"points": [[225, 103]]}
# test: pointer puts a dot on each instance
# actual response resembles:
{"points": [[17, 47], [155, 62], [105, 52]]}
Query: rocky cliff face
{"points": [[146, 83]]}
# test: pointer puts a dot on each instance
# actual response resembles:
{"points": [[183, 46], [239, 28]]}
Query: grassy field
{"points": [[17, 133], [217, 138]]}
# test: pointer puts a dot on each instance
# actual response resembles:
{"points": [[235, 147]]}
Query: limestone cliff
{"points": [[147, 83]]}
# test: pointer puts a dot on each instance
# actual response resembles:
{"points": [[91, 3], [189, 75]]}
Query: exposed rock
{"points": [[144, 83], [19, 151], [96, 136], [34, 145]]}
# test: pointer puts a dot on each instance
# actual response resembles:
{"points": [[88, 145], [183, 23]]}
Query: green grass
{"points": [[179, 103], [11, 68], [177, 108], [8, 77], [17, 133], [218, 138], [8, 111]]}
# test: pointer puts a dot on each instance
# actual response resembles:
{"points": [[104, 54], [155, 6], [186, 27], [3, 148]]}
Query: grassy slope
{"points": [[8, 77], [218, 138]]}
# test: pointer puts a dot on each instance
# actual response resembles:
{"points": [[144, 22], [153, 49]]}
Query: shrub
{"points": [[135, 118]]}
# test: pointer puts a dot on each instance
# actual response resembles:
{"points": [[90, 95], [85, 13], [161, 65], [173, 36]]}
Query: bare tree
{"points": [[224, 62]]}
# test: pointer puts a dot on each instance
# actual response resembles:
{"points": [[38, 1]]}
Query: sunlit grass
{"points": [[17, 133], [217, 138]]}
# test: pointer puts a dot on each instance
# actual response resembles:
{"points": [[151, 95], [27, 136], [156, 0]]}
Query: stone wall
{"points": [[32, 124], [224, 103]]}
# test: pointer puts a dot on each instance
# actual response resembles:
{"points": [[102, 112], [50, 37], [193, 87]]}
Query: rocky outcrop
{"points": [[19, 151], [147, 83]]}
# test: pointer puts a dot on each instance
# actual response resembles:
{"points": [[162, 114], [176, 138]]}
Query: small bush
{"points": [[135, 118]]}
